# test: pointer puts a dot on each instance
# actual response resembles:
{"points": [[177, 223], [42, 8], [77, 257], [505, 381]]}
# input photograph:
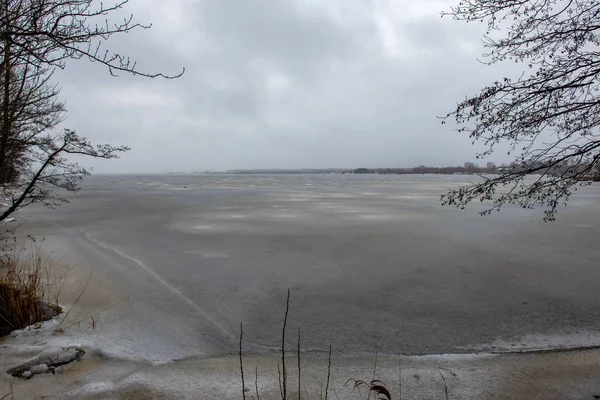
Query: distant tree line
{"points": [[470, 168], [467, 168], [304, 171]]}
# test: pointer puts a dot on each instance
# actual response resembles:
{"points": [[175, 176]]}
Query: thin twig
{"points": [[96, 313], [11, 393], [279, 378], [284, 372], [336, 394], [328, 373], [445, 385], [299, 369], [76, 301], [307, 393], [374, 373], [242, 362], [375, 366], [256, 383], [399, 377]]}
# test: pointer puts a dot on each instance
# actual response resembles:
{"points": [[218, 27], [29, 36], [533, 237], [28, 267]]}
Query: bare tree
{"points": [[30, 106], [550, 115], [36, 37], [54, 31], [48, 170]]}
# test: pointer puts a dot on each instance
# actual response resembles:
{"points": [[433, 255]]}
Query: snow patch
{"points": [[530, 343], [286, 216], [202, 227], [581, 226], [453, 357], [47, 361], [93, 389]]}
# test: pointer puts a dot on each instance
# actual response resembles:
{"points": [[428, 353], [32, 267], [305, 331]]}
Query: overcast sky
{"points": [[283, 84]]}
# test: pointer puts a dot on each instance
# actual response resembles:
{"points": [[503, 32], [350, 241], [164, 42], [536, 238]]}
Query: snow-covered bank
{"points": [[563, 375], [104, 374]]}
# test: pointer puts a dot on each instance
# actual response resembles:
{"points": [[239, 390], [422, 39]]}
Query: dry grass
{"points": [[375, 388], [28, 290]]}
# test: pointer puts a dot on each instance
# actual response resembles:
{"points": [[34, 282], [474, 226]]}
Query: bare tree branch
{"points": [[36, 38], [53, 31], [550, 116]]}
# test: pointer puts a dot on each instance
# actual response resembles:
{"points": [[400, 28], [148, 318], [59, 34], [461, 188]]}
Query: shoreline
{"points": [[551, 373]]}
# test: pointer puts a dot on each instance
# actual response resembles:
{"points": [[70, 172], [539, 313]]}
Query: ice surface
{"points": [[372, 263]]}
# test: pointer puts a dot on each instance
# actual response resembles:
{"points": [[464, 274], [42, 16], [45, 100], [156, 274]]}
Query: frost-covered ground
{"points": [[373, 263], [547, 376]]}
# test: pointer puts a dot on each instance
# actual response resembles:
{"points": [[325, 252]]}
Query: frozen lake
{"points": [[372, 262]]}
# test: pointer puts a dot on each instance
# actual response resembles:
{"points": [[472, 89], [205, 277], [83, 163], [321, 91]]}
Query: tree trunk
{"points": [[6, 122]]}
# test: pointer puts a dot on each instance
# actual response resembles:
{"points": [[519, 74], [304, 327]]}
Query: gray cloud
{"points": [[283, 83]]}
